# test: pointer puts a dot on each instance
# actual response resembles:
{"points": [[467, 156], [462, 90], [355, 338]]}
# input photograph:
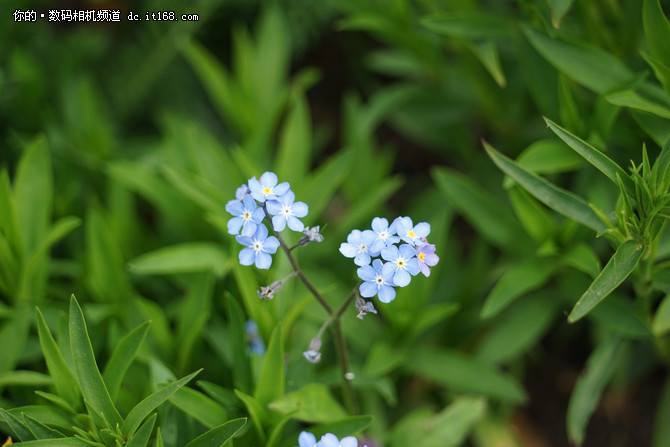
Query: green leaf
{"points": [[182, 258], [218, 436], [589, 387], [148, 404], [320, 186], [343, 427], [661, 323], [39, 430], [141, 437], [483, 211], [122, 357], [467, 25], [256, 411], [449, 428], [549, 157], [657, 34], [515, 282], [18, 427], [593, 156], [196, 188], [201, 407], [270, 384], [13, 338], [559, 8], [589, 66], [636, 100], [620, 316], [488, 54], [90, 381], [311, 403], [661, 427], [383, 358], [34, 192], [460, 372], [62, 442], [293, 155], [18, 377], [517, 329], [565, 202], [620, 265], [582, 257], [534, 217]]}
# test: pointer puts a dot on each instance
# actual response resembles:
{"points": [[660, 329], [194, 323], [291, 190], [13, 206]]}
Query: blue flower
{"points": [[409, 233], [266, 188], [248, 216], [241, 192], [405, 263], [306, 440], [259, 247], [255, 343], [358, 246], [286, 211], [385, 236], [378, 279], [330, 440]]}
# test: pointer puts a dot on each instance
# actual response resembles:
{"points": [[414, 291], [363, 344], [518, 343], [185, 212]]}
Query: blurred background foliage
{"points": [[120, 144]]}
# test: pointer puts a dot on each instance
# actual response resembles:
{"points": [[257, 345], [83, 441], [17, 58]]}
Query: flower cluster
{"points": [[258, 199], [404, 252], [307, 439]]}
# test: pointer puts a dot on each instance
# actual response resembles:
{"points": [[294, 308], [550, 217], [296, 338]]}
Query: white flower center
{"points": [[383, 235], [258, 245], [379, 280], [400, 263], [286, 211], [362, 248], [246, 216]]}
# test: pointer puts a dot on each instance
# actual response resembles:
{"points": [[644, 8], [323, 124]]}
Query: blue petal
{"points": [[288, 198], [269, 179], [279, 222], [380, 224], [368, 237], [386, 294], [388, 271], [407, 251], [244, 240], [368, 289], [271, 244], [294, 224], [281, 189], [306, 439], [235, 207], [300, 209], [413, 266], [401, 278], [247, 256], [362, 259], [273, 207], [234, 225], [258, 215], [263, 260], [249, 228], [249, 203], [422, 229], [261, 233], [377, 265], [366, 273], [348, 250], [390, 253]]}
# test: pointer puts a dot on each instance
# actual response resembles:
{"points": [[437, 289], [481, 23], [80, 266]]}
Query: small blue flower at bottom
{"points": [[330, 440], [259, 247], [306, 439], [378, 280], [358, 246]]}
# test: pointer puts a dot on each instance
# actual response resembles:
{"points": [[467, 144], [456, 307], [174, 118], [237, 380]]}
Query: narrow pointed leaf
{"points": [[122, 357], [61, 442], [559, 8], [19, 427], [148, 404], [141, 437], [204, 409], [589, 387], [39, 430], [62, 376], [92, 386], [562, 201], [218, 436], [271, 382], [592, 155], [620, 265]]}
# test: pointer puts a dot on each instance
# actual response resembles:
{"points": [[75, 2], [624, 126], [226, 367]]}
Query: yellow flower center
{"points": [[246, 215], [411, 234], [267, 191], [400, 263], [421, 256]]}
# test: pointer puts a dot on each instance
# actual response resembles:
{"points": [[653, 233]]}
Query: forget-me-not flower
{"points": [[358, 246], [408, 232], [427, 258], [330, 440], [247, 216], [266, 188], [285, 210], [378, 279], [385, 235], [306, 439], [404, 261], [258, 248]]}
